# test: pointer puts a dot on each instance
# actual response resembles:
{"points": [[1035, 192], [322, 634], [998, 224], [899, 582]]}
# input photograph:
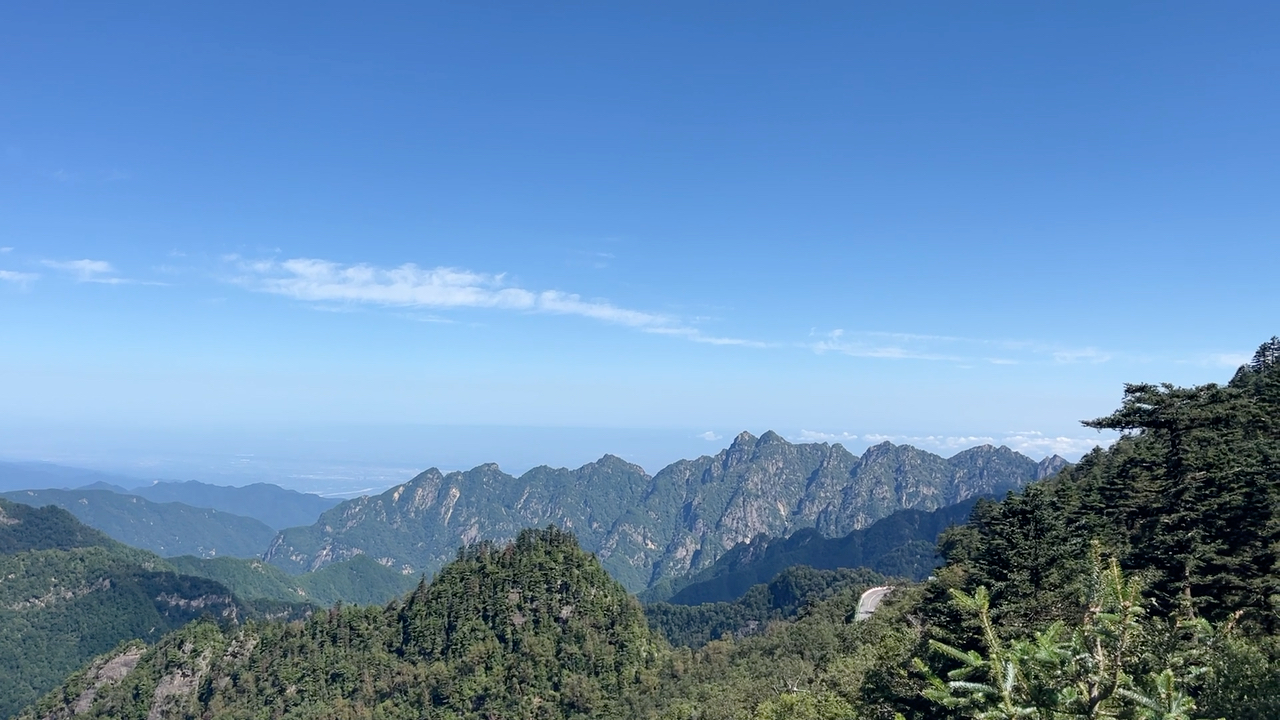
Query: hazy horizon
{"points": [[346, 461]]}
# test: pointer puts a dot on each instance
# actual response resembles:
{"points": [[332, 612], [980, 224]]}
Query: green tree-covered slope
{"points": [[785, 595], [24, 528], [68, 593], [272, 505], [646, 528], [531, 630], [358, 581], [535, 629], [1190, 496], [1187, 503], [166, 529]]}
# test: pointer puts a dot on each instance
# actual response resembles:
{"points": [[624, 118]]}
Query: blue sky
{"points": [[938, 223]]}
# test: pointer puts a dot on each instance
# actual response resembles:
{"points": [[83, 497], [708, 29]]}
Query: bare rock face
{"points": [[420, 525], [1050, 466], [102, 673], [647, 528], [175, 689]]}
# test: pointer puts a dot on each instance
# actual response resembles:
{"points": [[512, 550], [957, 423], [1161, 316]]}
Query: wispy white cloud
{"points": [[875, 346], [1028, 442], [1087, 355], [948, 348], [18, 278], [6, 249], [426, 318], [443, 288], [1038, 444], [827, 437], [932, 442], [405, 286], [709, 436], [695, 335], [96, 271]]}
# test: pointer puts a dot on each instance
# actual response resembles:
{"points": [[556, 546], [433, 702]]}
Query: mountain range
{"points": [[648, 528], [1154, 560], [165, 528], [269, 504]]}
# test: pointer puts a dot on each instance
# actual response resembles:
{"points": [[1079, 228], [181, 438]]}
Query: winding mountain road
{"points": [[870, 600]]}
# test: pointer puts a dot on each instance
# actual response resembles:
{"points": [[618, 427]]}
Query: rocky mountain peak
{"points": [[770, 438], [1050, 466], [426, 476], [611, 461], [740, 451], [879, 451]]}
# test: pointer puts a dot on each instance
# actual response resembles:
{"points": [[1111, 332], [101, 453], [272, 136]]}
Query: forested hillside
{"points": [[903, 545], [788, 593], [68, 592], [1186, 507], [534, 629], [24, 528], [646, 528], [167, 529], [359, 581], [1189, 496]]}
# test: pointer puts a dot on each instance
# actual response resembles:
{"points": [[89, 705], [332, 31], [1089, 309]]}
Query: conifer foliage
{"points": [[534, 629], [1189, 496]]}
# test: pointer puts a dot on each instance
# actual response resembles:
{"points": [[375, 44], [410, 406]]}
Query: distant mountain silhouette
{"points": [[278, 507], [167, 529]]}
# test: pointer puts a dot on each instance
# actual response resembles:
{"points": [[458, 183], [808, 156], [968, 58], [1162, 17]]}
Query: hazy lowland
{"points": [[1141, 582]]}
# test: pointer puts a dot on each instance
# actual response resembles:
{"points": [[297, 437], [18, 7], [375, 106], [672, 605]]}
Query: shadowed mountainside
{"points": [[902, 545]]}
